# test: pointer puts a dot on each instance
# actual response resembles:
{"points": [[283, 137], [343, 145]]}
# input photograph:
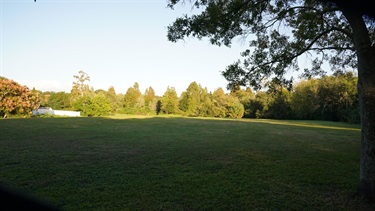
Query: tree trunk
{"points": [[366, 93]]}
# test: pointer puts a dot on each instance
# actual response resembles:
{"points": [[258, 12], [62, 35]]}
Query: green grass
{"points": [[175, 163]]}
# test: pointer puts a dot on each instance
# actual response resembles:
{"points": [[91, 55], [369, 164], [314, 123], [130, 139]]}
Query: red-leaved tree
{"points": [[16, 99]]}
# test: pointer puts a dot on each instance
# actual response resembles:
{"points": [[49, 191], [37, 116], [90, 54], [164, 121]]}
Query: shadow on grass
{"points": [[296, 123]]}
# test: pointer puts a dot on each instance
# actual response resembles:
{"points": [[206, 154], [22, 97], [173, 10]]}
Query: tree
{"points": [[244, 96], [219, 103], [56, 100], [183, 102], [150, 99], [44, 99], [279, 105], [349, 102], [258, 107], [332, 98], [278, 101], [206, 105], [332, 29], [133, 99], [333, 95], [235, 109], [196, 101], [112, 91], [16, 99], [305, 102], [99, 105], [169, 102], [112, 96], [80, 86], [190, 99]]}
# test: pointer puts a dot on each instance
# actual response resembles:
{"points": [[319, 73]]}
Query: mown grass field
{"points": [[175, 163]]}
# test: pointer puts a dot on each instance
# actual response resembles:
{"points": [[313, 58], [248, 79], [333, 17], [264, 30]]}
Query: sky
{"points": [[44, 44]]}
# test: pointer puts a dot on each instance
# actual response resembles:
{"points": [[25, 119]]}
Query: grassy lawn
{"points": [[175, 163]]}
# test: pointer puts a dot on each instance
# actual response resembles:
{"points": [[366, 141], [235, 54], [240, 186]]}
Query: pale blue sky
{"points": [[116, 43]]}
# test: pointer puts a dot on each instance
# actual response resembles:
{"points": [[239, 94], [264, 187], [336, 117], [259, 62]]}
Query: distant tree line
{"points": [[331, 98]]}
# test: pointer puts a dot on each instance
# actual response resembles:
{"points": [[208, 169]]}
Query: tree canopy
{"points": [[283, 31], [16, 99]]}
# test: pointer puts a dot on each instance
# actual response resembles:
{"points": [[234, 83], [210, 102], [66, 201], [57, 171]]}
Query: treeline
{"points": [[331, 98]]}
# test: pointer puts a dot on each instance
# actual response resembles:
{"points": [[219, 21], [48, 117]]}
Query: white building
{"points": [[44, 110]]}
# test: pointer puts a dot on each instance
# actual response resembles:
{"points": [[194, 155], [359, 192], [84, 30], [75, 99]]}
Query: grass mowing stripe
{"points": [[176, 163]]}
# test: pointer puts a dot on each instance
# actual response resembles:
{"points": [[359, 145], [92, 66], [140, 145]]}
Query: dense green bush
{"points": [[99, 105]]}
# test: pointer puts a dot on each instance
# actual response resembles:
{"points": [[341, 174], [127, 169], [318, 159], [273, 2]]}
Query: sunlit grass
{"points": [[177, 163], [128, 116], [311, 124]]}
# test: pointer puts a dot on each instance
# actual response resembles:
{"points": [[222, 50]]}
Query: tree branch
{"points": [[333, 48], [307, 48], [346, 32], [283, 14]]}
